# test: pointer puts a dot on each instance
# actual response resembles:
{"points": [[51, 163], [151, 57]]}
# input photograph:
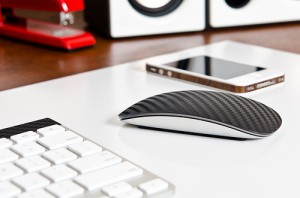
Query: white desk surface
{"points": [[89, 103]]}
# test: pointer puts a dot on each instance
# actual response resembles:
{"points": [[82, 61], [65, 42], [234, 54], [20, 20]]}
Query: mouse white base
{"points": [[188, 125]]}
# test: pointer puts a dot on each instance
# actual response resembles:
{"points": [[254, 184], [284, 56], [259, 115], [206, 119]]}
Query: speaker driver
{"points": [[155, 8], [237, 3]]}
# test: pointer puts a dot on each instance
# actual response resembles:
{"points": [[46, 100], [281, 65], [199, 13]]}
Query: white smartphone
{"points": [[218, 73]]}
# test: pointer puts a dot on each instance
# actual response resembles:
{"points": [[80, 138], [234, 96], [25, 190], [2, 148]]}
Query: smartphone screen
{"points": [[214, 67]]}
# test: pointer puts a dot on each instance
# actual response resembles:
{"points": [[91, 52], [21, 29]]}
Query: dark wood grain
{"points": [[23, 63]]}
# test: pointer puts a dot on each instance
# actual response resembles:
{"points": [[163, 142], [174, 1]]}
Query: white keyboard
{"points": [[43, 159]]}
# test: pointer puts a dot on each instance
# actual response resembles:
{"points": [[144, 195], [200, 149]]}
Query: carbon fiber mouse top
{"points": [[222, 108]]}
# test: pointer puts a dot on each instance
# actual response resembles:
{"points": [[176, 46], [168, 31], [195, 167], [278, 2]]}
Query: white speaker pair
{"points": [[125, 18]]}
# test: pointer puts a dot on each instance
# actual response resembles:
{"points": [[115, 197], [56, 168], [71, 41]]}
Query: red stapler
{"points": [[13, 23]]}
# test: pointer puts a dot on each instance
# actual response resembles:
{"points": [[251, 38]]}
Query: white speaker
{"points": [[227, 13], [125, 18]]}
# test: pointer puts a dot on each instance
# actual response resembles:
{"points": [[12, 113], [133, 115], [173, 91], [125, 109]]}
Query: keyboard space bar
{"points": [[110, 175]]}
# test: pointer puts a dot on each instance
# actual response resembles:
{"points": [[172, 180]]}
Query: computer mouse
{"points": [[205, 113]]}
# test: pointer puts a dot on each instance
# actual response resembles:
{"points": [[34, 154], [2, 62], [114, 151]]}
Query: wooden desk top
{"points": [[24, 63]]}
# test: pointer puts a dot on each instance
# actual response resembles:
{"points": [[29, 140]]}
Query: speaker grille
{"points": [[232, 110], [156, 12]]}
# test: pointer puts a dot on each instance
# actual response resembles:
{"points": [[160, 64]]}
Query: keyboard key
{"points": [[51, 130], [31, 181], [25, 137], [65, 189], [7, 155], [154, 186], [7, 189], [9, 171], [117, 188], [4, 143], [95, 162], [133, 193], [59, 156], [59, 173], [36, 194], [60, 140], [85, 148], [32, 164], [110, 175], [27, 149]]}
